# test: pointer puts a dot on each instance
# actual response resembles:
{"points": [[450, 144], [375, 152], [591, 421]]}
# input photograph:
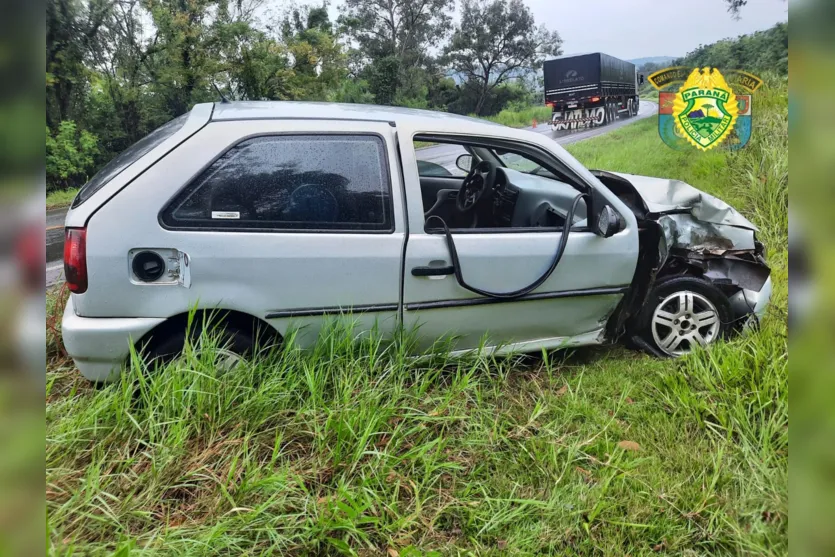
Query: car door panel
{"points": [[576, 299], [572, 306], [293, 279]]}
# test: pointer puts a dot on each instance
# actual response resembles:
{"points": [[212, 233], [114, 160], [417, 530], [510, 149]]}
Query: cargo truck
{"points": [[589, 90]]}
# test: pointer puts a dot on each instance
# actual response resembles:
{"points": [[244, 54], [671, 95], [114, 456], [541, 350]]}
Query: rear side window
{"points": [[290, 182], [128, 157]]}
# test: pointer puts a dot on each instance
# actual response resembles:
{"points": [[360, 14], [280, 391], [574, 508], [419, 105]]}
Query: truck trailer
{"points": [[589, 90]]}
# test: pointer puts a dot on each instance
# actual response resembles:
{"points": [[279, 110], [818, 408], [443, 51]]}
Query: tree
{"points": [[69, 155], [762, 51], [72, 30], [498, 41], [394, 38], [734, 6], [317, 61]]}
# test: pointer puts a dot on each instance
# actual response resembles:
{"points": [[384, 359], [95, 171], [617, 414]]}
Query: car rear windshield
{"points": [[128, 157]]}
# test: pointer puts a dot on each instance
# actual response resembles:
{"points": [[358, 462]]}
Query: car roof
{"points": [[260, 110]]}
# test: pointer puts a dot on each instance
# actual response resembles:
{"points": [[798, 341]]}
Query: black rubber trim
{"points": [[432, 271], [206, 226], [312, 312], [608, 291]]}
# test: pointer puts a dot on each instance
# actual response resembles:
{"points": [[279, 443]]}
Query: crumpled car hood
{"points": [[697, 227], [691, 219], [670, 196]]}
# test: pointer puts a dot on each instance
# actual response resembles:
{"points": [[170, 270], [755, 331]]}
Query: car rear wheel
{"points": [[234, 342], [683, 313]]}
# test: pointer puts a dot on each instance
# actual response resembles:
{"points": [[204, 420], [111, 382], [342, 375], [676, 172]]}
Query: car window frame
{"points": [[467, 150], [386, 173], [492, 143]]}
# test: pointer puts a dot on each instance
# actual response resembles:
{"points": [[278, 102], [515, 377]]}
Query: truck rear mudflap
{"points": [[577, 118]]}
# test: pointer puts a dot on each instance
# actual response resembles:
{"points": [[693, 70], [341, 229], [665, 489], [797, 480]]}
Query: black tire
{"points": [[677, 286], [165, 346]]}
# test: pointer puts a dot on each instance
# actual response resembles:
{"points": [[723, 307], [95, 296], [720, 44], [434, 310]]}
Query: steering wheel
{"points": [[479, 181]]}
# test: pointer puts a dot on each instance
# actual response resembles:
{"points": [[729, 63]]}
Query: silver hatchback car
{"points": [[284, 215]]}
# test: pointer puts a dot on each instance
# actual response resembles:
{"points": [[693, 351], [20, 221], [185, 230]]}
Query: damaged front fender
{"points": [[693, 233]]}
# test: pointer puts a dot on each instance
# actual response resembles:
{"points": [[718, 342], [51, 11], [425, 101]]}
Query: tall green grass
{"points": [[356, 448], [515, 118], [60, 198]]}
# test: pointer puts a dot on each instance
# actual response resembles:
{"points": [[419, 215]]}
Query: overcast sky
{"points": [[641, 28]]}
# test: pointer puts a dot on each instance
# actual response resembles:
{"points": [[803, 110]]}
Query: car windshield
{"points": [[129, 156], [521, 163]]}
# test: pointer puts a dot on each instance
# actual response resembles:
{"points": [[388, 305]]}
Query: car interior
{"points": [[490, 188]]}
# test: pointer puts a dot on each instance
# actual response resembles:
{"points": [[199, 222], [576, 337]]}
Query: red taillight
{"points": [[595, 99], [75, 259], [549, 104]]}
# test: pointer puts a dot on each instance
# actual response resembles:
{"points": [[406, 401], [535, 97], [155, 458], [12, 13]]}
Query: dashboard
{"points": [[522, 200]]}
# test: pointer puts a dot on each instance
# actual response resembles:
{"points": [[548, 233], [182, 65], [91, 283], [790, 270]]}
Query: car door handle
{"points": [[432, 271]]}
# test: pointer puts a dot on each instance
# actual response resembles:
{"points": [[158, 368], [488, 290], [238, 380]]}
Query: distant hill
{"points": [[763, 51], [658, 60]]}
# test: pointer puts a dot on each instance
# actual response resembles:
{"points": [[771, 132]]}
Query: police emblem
{"points": [[705, 111]]}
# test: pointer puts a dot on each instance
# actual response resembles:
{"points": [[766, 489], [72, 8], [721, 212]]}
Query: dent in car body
{"points": [[686, 231]]}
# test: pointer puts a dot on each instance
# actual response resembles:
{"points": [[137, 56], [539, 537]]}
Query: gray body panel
{"points": [[303, 279], [504, 261], [257, 273]]}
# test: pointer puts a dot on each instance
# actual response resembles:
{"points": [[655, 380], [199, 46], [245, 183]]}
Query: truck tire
{"points": [[629, 109]]}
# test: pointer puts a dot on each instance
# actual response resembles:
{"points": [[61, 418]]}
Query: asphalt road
{"points": [[444, 155], [55, 246]]}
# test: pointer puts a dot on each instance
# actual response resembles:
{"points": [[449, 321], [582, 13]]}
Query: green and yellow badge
{"points": [[705, 109], [702, 108]]}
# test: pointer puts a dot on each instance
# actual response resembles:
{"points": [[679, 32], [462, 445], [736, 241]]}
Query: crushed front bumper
{"points": [[751, 303], [99, 346]]}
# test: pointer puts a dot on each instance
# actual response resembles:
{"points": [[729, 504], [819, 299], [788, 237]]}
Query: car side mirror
{"points": [[464, 162], [608, 222]]}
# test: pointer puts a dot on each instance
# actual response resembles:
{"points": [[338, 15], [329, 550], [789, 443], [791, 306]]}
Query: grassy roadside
{"points": [[355, 448], [521, 118], [60, 198], [510, 118]]}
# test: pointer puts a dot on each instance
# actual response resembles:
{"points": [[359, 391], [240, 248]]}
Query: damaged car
{"points": [[277, 218]]}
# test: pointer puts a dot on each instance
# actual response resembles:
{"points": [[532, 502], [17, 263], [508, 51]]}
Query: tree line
{"points": [[117, 69], [759, 52]]}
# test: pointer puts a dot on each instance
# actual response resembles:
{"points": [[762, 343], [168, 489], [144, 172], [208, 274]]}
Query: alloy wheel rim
{"points": [[683, 320]]}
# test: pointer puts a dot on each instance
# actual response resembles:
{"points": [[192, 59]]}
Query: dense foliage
{"points": [[760, 52], [117, 69]]}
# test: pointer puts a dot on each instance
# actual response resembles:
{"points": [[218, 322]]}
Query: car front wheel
{"points": [[683, 313]]}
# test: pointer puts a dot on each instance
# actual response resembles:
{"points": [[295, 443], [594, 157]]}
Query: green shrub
{"points": [[70, 155]]}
